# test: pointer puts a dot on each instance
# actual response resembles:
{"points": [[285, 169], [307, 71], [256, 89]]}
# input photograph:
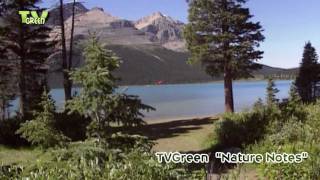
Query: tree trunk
{"points": [[71, 37], [228, 92], [22, 88], [22, 93], [66, 81], [22, 71], [71, 45]]}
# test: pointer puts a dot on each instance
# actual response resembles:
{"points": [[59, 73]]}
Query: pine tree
{"points": [[294, 96], [271, 93], [294, 106], [258, 104], [221, 36], [308, 74], [41, 130], [28, 48], [97, 98], [7, 84]]}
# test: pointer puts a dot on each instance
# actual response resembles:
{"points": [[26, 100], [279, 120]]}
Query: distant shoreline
{"points": [[186, 83], [204, 82], [211, 82], [163, 120]]}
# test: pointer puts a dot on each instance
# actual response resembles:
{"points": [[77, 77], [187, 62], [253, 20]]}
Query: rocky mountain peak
{"points": [[96, 17], [151, 19], [163, 28], [157, 14], [157, 28], [97, 9], [54, 17]]}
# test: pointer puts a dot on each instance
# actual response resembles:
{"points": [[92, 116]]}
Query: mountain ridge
{"points": [[156, 28], [151, 49]]}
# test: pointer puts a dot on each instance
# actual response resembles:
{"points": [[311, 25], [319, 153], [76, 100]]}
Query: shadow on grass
{"points": [[173, 129], [170, 129], [234, 133]]}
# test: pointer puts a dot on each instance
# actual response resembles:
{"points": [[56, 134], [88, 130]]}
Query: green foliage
{"points": [[128, 111], [221, 36], [308, 74], [128, 142], [144, 166], [294, 107], [95, 159], [98, 99], [293, 137], [26, 48], [41, 131], [271, 93], [292, 128], [10, 172], [258, 104], [241, 129], [294, 96]]}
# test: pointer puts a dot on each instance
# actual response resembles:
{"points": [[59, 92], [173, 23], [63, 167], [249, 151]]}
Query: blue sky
{"points": [[288, 24]]}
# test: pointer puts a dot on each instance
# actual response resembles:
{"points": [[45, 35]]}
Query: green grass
{"points": [[183, 135], [22, 156]]}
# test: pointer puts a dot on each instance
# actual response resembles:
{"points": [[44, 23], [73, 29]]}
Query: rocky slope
{"points": [[151, 49], [156, 29], [54, 15], [110, 29], [163, 29]]}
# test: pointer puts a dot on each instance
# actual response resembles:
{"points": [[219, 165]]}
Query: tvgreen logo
{"points": [[32, 17]]}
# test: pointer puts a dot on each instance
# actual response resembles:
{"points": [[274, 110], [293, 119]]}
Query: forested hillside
{"points": [[142, 64]]}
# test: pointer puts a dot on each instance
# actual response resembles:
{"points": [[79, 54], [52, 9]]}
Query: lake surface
{"points": [[194, 100]]}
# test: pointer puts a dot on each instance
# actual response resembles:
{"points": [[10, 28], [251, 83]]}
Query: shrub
{"points": [[294, 136], [10, 172], [294, 108], [240, 129], [95, 159], [292, 128], [41, 130]]}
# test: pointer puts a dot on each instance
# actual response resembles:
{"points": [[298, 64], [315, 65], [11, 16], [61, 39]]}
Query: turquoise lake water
{"points": [[194, 100]]}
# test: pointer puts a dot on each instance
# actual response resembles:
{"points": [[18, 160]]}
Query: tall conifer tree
{"points": [[221, 36], [6, 81], [27, 47], [308, 74]]}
